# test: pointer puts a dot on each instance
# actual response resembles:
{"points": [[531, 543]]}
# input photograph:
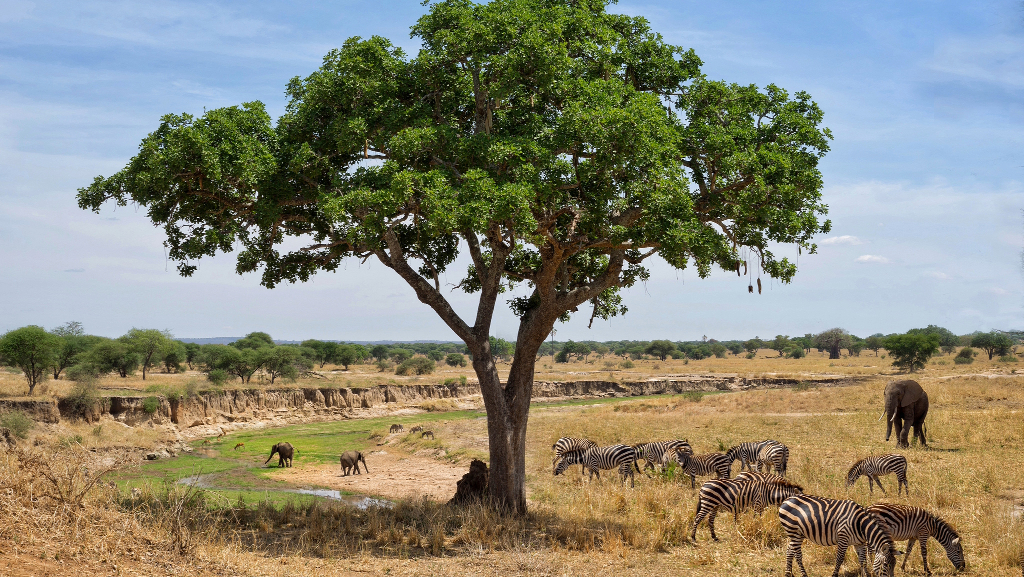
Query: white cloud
{"points": [[845, 239], [939, 275], [872, 258], [998, 291]]}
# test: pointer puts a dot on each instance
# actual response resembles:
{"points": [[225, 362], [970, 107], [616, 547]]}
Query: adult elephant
{"points": [[906, 406], [350, 459], [285, 451]]}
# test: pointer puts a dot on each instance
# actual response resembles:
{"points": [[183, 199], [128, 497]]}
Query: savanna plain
{"points": [[75, 498]]}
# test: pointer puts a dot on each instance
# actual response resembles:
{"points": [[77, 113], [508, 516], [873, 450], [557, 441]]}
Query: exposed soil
{"points": [[393, 474]]}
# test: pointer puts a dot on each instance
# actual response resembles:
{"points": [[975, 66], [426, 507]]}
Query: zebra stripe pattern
{"points": [[753, 476], [873, 467], [911, 524], [746, 454], [596, 459], [735, 495], [831, 522], [773, 454], [567, 445], [660, 452], [716, 464]]}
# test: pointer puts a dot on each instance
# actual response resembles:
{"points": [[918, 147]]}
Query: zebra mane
{"points": [[941, 523], [786, 484], [856, 466]]}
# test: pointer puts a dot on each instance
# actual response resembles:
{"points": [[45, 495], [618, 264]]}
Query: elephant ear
{"points": [[911, 393]]}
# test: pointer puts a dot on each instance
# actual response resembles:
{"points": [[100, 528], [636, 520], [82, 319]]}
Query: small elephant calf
{"points": [[416, 429], [427, 434], [350, 459], [285, 452], [397, 428]]}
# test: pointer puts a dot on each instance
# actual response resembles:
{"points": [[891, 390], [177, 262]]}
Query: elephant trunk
{"points": [[890, 410]]}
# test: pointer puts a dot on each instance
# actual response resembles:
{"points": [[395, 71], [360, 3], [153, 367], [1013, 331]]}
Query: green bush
{"points": [[82, 396], [693, 396], [797, 353], [1008, 359], [151, 404], [455, 360], [627, 364], [217, 376], [385, 365], [82, 372], [17, 422], [752, 354], [417, 365], [965, 356], [453, 380]]}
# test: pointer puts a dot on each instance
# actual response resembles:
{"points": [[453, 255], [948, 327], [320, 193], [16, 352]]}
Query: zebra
{"points": [[746, 453], [596, 459], [773, 454], [911, 524], [709, 464], [660, 452], [736, 495], [753, 476], [873, 467], [570, 445], [830, 522]]}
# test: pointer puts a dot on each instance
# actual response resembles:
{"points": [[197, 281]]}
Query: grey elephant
{"points": [[906, 406], [350, 459], [285, 451]]}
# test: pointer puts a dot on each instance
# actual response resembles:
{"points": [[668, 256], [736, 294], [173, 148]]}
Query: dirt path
{"points": [[393, 474]]}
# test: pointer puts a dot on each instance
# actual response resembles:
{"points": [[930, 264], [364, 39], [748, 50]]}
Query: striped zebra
{"points": [[736, 495], [660, 452], [596, 459], [873, 467], [753, 476], [829, 522], [746, 454], [773, 454], [716, 464], [911, 524], [570, 445]]}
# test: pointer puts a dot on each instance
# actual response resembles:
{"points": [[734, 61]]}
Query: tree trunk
{"points": [[833, 351], [508, 411]]}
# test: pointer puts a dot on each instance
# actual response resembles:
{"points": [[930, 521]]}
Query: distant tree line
{"points": [[67, 352]]}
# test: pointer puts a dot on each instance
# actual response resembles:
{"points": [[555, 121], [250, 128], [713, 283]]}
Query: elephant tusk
{"points": [[880, 416], [893, 417]]}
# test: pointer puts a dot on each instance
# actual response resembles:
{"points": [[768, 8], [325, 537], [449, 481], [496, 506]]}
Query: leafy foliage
{"points": [[994, 343], [912, 350], [31, 349]]}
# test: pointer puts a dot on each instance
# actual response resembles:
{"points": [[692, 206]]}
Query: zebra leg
{"points": [[693, 481], [711, 523], [902, 479], [799, 554], [793, 550], [840, 555], [871, 485], [862, 558], [701, 513], [924, 553], [879, 481]]}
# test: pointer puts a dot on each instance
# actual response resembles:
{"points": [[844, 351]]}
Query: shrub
{"points": [[417, 365], [82, 372], [455, 360], [912, 350], [150, 404], [455, 380], [627, 364], [693, 396], [82, 396], [1008, 359], [752, 354], [385, 365], [17, 422], [796, 353], [965, 356], [217, 376]]}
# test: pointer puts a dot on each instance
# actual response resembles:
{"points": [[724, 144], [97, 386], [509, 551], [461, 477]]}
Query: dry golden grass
{"points": [[972, 475]]}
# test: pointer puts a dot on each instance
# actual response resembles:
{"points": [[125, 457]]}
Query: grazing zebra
{"points": [[570, 445], [773, 454], [716, 464], [396, 428], [746, 453], [660, 452], [831, 522], [911, 524], [752, 476], [736, 495], [873, 467], [596, 459]]}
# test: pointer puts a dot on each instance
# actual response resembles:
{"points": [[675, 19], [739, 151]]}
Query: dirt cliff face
{"points": [[242, 405]]}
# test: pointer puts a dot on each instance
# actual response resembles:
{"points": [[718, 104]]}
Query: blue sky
{"points": [[924, 180]]}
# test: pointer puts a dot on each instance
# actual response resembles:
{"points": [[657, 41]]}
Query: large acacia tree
{"points": [[557, 144]]}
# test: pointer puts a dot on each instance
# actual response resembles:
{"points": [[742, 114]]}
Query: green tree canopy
{"points": [[875, 342], [325, 352], [780, 344], [912, 350], [561, 145], [833, 341], [31, 349], [149, 344], [72, 344], [113, 356], [660, 348], [254, 340], [994, 343]]}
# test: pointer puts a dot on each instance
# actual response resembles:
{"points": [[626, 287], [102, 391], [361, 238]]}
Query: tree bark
{"points": [[833, 351]]}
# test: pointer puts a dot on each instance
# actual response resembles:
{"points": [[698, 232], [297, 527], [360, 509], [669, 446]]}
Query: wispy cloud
{"points": [[74, 270], [872, 258], [939, 275], [845, 239]]}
